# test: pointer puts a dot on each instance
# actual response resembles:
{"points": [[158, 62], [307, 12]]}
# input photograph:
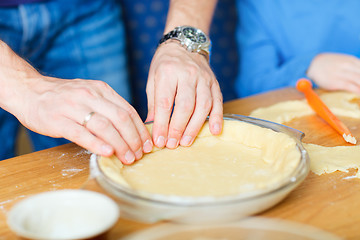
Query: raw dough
{"points": [[322, 159], [244, 158], [331, 159], [340, 103]]}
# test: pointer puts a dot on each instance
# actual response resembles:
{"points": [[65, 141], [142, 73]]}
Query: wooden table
{"points": [[330, 202]]}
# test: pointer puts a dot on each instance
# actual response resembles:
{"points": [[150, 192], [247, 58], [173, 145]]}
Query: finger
{"points": [[184, 108], [118, 108], [129, 125], [103, 128], [151, 113], [107, 124], [356, 63], [129, 132], [216, 113], [84, 138], [353, 70], [350, 85], [202, 109], [164, 99], [348, 80], [142, 130], [150, 97]]}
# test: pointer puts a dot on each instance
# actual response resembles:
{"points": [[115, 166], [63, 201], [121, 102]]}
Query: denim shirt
{"points": [[12, 3]]}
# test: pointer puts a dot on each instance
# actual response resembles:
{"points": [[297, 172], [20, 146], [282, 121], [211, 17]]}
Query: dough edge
{"points": [[112, 167], [342, 157]]}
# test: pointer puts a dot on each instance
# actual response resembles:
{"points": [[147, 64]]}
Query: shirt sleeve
{"points": [[262, 64]]}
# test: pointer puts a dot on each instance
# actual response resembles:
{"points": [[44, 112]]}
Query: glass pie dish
{"points": [[151, 207]]}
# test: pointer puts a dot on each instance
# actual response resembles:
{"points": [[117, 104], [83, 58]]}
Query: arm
{"points": [[57, 108], [276, 55], [194, 13], [185, 79], [261, 69]]}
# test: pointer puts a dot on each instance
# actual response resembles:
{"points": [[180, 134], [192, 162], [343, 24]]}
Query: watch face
{"points": [[194, 35]]}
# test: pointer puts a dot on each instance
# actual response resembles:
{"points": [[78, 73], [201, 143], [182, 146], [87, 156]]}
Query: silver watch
{"points": [[193, 39]]}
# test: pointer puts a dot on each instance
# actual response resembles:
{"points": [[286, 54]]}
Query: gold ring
{"points": [[87, 118]]}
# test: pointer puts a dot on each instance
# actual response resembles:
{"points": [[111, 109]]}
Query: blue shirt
{"points": [[13, 3], [279, 38]]}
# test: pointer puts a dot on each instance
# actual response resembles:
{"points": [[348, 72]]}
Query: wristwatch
{"points": [[191, 38]]}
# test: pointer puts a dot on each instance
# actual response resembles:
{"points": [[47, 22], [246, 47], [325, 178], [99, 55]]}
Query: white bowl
{"points": [[64, 214]]}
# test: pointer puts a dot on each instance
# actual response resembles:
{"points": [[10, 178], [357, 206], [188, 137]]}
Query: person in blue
{"points": [[68, 41], [281, 41], [62, 39]]}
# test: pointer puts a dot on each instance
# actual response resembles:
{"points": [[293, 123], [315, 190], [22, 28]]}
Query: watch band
{"points": [[176, 34], [172, 34]]}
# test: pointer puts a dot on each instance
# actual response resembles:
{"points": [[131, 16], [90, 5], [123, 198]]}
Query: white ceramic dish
{"points": [[146, 207], [64, 214]]}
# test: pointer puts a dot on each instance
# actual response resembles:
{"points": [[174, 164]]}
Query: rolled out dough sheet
{"points": [[322, 159], [331, 159], [244, 158]]}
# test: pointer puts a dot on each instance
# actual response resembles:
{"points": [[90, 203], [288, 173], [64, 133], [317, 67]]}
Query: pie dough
{"points": [[244, 158], [331, 159], [322, 159], [340, 103]]}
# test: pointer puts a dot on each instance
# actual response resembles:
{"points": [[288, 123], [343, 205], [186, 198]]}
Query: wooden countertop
{"points": [[329, 202]]}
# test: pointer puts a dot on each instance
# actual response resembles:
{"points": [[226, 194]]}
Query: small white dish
{"points": [[64, 214]]}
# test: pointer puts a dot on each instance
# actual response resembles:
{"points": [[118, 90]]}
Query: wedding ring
{"points": [[87, 118]]}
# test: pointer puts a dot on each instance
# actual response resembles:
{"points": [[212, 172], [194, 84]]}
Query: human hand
{"points": [[185, 79], [57, 108], [335, 71]]}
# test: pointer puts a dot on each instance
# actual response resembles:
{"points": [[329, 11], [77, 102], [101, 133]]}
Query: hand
{"points": [[334, 71], [185, 79], [57, 108]]}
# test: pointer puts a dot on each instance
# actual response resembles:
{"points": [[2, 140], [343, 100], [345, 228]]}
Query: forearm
{"points": [[56, 107], [195, 13], [15, 73]]}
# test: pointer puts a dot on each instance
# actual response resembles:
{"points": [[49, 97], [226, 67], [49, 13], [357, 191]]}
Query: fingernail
{"points": [[172, 143], [129, 157], [106, 150], [160, 142], [186, 141], [216, 128], [138, 153], [148, 146]]}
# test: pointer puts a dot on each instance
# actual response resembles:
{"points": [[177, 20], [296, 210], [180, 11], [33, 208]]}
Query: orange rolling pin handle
{"points": [[305, 86]]}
